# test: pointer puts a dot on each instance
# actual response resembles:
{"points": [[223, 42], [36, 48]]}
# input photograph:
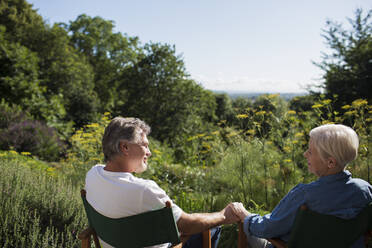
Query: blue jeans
{"points": [[196, 240]]}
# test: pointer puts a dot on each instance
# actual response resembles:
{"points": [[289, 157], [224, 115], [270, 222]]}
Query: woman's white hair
{"points": [[337, 141]]}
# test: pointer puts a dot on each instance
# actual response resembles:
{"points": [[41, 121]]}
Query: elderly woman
{"points": [[335, 192]]}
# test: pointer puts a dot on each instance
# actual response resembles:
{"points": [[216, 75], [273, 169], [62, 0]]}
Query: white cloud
{"points": [[244, 84]]}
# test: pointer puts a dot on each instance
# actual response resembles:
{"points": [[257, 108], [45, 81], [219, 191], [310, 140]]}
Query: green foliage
{"points": [[19, 131], [207, 149], [11, 113], [41, 71], [348, 67], [107, 52], [37, 210], [157, 90]]}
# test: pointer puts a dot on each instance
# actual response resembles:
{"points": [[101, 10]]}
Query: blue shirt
{"points": [[338, 194]]}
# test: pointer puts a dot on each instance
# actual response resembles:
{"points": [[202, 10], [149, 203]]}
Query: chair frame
{"points": [[89, 233], [278, 243]]}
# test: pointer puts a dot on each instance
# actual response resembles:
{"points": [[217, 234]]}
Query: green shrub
{"points": [[11, 114], [37, 209]]}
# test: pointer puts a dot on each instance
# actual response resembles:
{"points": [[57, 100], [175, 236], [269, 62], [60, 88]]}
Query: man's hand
{"points": [[239, 210], [230, 216]]}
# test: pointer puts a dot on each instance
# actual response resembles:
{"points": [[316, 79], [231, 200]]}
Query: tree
{"points": [[46, 60], [107, 52], [224, 108], [348, 69], [158, 90]]}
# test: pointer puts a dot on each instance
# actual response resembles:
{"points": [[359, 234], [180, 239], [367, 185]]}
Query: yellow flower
{"points": [[287, 160], [215, 132], [206, 145], [359, 102], [315, 106], [347, 106], [295, 142], [287, 148], [92, 125], [242, 116], [327, 122], [87, 135], [326, 101], [251, 131], [25, 153], [291, 112], [107, 113], [299, 134], [350, 112], [263, 112], [13, 152], [232, 134], [156, 151]]}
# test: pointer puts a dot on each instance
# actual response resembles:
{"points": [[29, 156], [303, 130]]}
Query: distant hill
{"points": [[254, 95]]}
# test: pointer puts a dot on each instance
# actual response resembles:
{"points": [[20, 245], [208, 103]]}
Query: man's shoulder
{"points": [[147, 183]]}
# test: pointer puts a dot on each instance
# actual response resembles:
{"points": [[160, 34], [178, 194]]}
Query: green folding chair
{"points": [[311, 229], [141, 230]]}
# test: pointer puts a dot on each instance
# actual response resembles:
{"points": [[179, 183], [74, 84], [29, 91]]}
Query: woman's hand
{"points": [[239, 210]]}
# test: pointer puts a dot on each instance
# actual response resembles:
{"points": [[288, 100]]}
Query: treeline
{"points": [[55, 79]]}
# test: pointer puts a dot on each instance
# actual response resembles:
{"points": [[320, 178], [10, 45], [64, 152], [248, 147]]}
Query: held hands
{"points": [[234, 212], [239, 210], [230, 216]]}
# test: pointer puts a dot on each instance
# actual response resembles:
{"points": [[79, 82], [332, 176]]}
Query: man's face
{"points": [[316, 164], [139, 154]]}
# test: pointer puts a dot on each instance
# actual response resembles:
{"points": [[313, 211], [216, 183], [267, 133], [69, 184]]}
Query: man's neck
{"points": [[117, 166]]}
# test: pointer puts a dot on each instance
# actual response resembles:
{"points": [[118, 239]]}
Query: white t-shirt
{"points": [[120, 194]]}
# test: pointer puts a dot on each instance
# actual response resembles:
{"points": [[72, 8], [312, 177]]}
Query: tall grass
{"points": [[37, 209]]}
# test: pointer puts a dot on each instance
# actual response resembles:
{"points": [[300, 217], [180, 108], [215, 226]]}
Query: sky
{"points": [[266, 46]]}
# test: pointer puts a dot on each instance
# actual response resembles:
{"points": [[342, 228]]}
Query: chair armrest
{"points": [[242, 239], [278, 242], [86, 233]]}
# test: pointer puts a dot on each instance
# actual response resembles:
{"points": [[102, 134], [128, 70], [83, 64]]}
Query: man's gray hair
{"points": [[337, 141], [120, 129]]}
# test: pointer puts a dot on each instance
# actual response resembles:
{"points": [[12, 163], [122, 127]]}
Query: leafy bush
{"points": [[37, 210], [11, 114], [34, 137]]}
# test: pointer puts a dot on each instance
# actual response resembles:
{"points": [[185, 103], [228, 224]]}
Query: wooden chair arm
{"points": [[278, 243], [242, 239], [86, 233]]}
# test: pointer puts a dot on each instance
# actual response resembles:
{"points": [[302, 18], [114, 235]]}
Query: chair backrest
{"points": [[145, 229], [311, 229]]}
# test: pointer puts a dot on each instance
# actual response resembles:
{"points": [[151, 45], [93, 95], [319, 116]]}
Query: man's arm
{"points": [[189, 224]]}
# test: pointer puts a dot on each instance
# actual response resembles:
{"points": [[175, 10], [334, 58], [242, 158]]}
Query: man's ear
{"points": [[332, 162], [124, 148]]}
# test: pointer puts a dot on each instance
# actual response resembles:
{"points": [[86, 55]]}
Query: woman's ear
{"points": [[332, 162]]}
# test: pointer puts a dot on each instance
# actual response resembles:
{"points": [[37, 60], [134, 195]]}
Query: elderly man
{"points": [[335, 192], [115, 192]]}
